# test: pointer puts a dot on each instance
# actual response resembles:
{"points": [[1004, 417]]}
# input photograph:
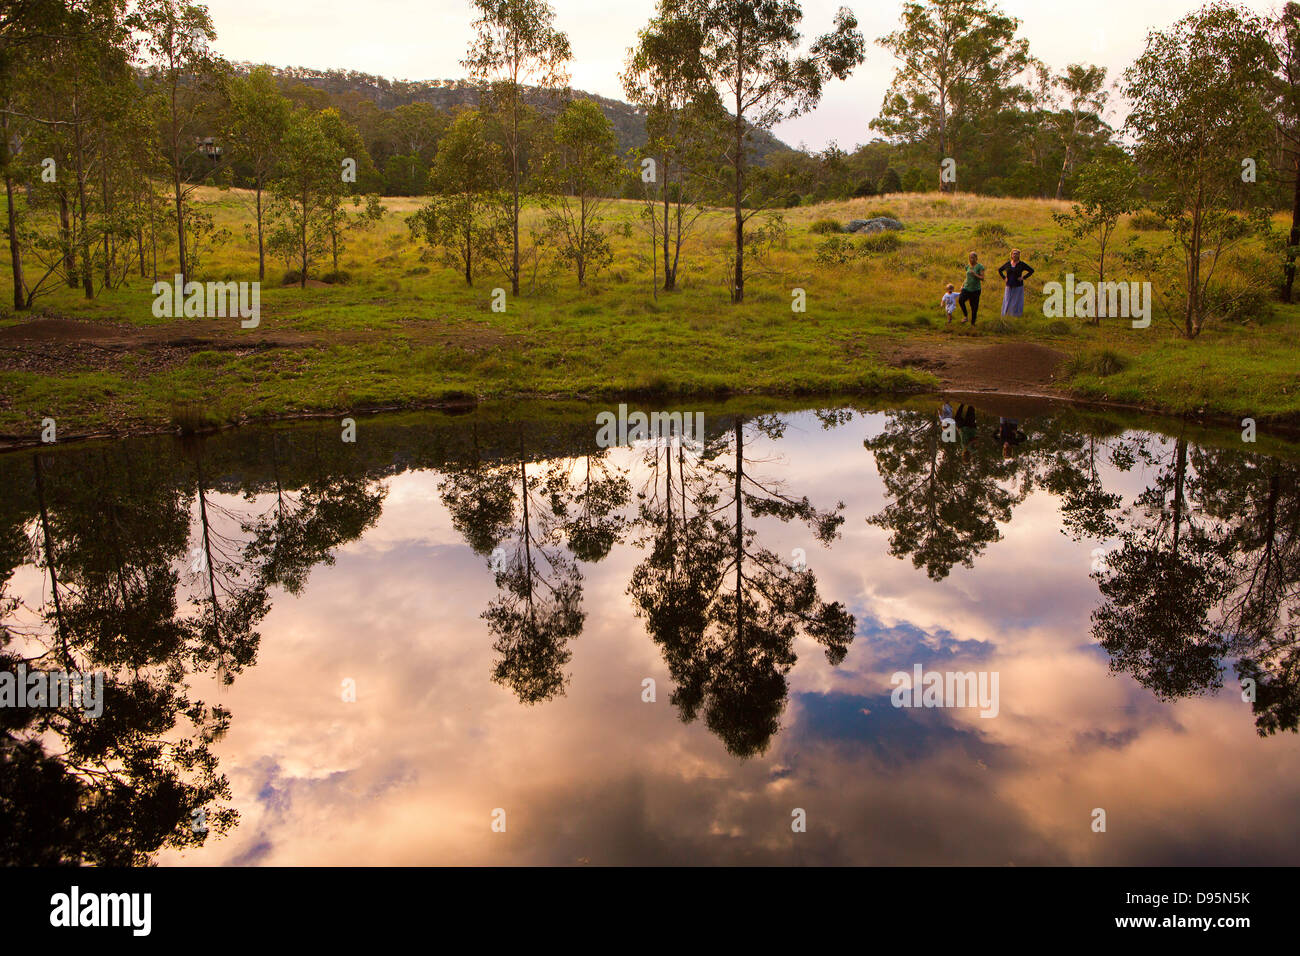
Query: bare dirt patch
{"points": [[51, 345], [1016, 368]]}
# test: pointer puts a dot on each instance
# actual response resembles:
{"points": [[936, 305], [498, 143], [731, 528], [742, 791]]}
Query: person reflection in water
{"points": [[966, 431], [1009, 434]]}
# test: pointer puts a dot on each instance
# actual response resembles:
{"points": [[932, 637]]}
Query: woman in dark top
{"points": [[1015, 272]]}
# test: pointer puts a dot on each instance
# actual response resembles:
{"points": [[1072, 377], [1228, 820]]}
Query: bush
{"points": [[891, 182], [292, 277], [1059, 327], [865, 189], [823, 226], [1101, 363], [834, 251], [793, 200], [1000, 326], [876, 243], [336, 278], [992, 232], [1146, 221], [1239, 305]]}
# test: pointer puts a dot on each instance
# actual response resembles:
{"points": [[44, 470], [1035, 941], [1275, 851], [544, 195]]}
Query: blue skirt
{"points": [[1013, 301]]}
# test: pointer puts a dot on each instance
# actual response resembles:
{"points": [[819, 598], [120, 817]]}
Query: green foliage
{"points": [[822, 227], [1239, 304], [579, 171], [1211, 63]]}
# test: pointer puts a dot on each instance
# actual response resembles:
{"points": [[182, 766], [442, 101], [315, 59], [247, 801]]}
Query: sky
{"points": [[422, 40]]}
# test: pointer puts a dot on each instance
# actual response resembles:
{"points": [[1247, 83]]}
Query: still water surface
{"points": [[503, 595]]}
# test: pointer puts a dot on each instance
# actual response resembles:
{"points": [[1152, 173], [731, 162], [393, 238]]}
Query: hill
{"points": [[350, 87]]}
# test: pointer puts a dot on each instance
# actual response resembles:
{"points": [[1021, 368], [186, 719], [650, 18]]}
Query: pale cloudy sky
{"points": [[425, 39]]}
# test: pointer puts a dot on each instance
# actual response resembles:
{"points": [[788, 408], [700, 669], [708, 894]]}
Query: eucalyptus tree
{"points": [[958, 59], [1083, 87], [664, 76], [1284, 100], [462, 219], [580, 169], [750, 56], [515, 41], [257, 120], [1197, 116], [186, 74], [304, 180]]}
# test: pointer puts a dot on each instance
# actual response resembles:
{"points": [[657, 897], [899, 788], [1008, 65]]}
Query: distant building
{"points": [[208, 146]]}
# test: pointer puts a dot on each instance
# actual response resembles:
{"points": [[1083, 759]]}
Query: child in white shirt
{"points": [[949, 302]]}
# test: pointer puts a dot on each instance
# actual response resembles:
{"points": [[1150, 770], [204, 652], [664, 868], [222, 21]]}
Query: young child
{"points": [[949, 302]]}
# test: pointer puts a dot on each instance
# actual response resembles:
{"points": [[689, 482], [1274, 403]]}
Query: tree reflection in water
{"points": [[157, 564]]}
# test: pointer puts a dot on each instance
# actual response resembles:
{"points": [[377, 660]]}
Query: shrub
{"points": [[1239, 305], [337, 278], [865, 189], [823, 226], [792, 200], [992, 232], [876, 243], [834, 251], [891, 182], [1100, 363], [1059, 327], [292, 277], [1000, 326], [1146, 221]]}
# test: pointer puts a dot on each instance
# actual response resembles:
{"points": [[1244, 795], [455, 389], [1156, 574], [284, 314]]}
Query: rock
{"points": [[879, 224]]}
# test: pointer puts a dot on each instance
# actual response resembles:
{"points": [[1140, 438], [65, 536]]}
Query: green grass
{"points": [[407, 331]]}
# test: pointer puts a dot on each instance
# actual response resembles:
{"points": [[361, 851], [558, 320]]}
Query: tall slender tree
{"points": [[750, 56], [515, 41]]}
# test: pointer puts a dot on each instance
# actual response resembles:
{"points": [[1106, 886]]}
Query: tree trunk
{"points": [[176, 181], [261, 247], [514, 172], [1294, 239], [83, 241], [738, 285], [65, 237], [15, 251]]}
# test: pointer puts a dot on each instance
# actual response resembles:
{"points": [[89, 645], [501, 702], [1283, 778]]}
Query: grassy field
{"points": [[407, 331]]}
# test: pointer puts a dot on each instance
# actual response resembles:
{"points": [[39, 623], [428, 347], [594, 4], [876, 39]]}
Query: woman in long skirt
{"points": [[1015, 273]]}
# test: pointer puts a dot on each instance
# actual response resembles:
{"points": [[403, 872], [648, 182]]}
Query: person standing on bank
{"points": [[970, 290], [1015, 272]]}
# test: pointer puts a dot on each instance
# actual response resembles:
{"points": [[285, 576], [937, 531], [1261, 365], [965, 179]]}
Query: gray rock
{"points": [[879, 224]]}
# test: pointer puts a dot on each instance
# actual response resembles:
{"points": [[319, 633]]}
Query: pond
{"points": [[806, 635]]}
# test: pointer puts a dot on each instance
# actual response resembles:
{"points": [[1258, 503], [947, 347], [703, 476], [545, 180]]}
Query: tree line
{"points": [[114, 112]]}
